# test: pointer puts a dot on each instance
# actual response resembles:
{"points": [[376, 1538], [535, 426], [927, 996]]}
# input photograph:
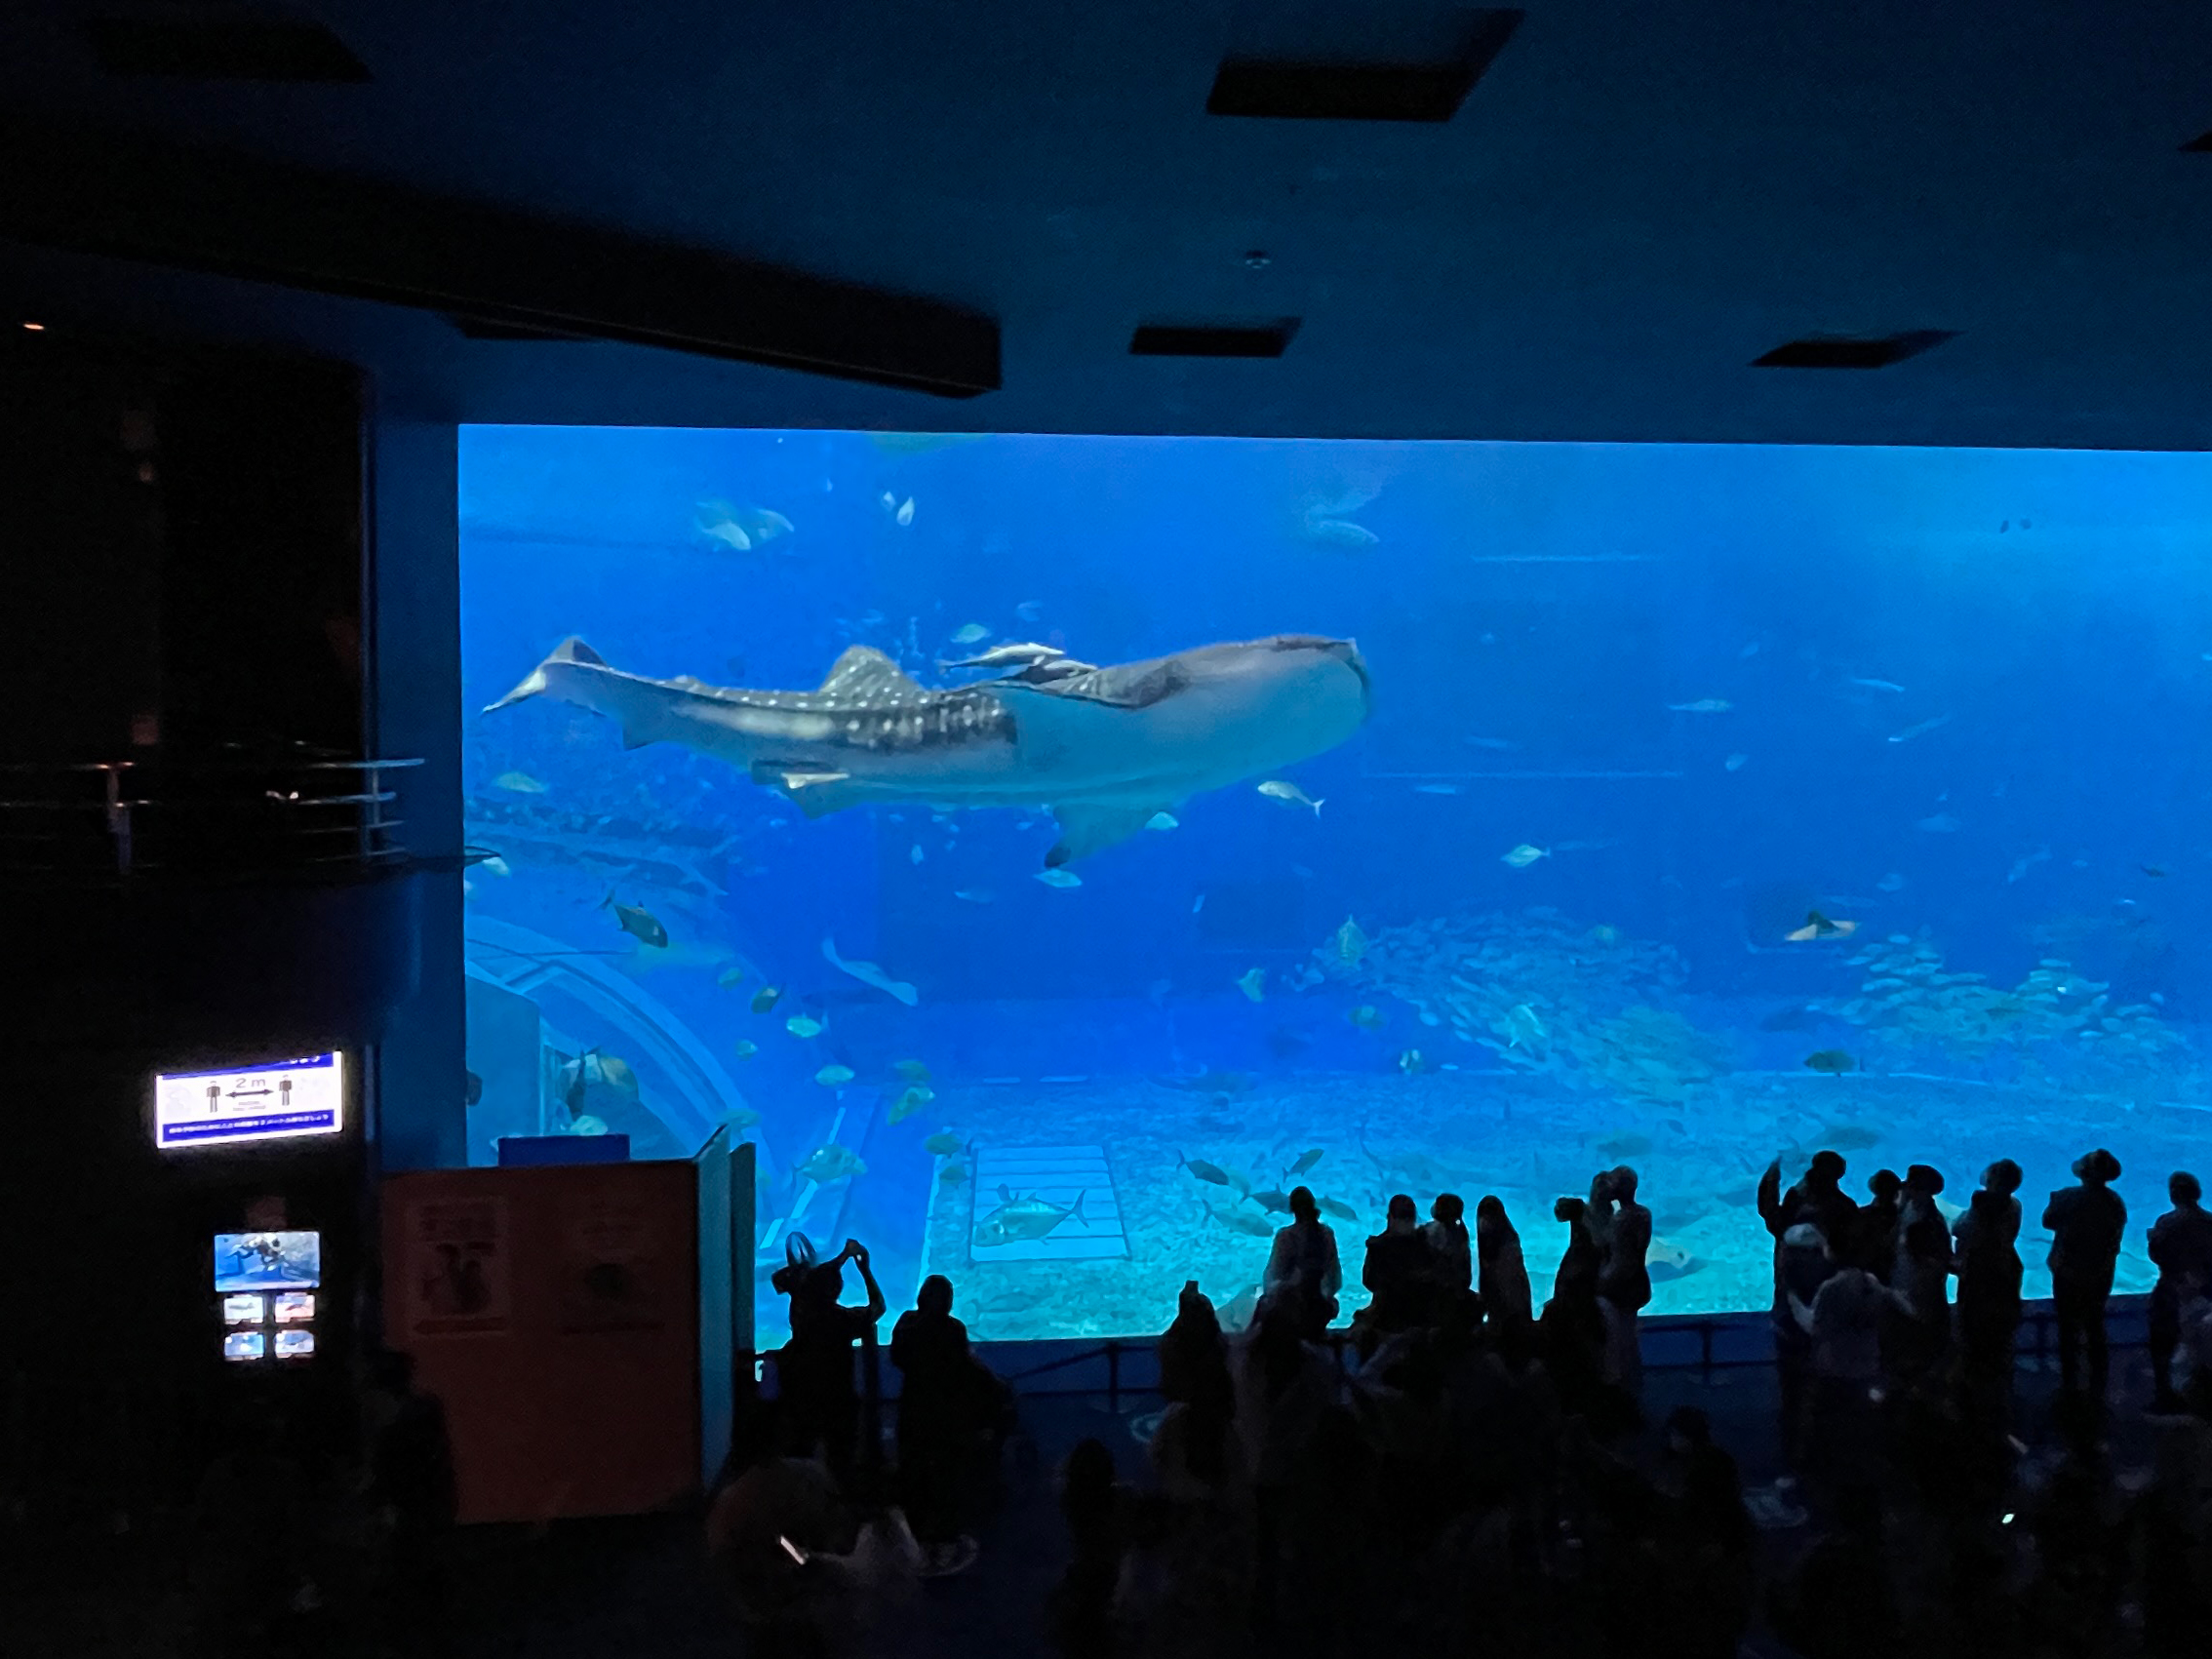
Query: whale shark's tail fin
{"points": [[570, 651]]}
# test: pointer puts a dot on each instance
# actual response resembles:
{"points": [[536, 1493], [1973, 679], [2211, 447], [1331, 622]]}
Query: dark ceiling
{"points": [[1636, 202]]}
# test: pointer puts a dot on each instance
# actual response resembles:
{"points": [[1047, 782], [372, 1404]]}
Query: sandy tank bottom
{"points": [[1473, 1133]]}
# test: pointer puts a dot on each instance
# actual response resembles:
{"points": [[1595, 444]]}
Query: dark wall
{"points": [[180, 548]]}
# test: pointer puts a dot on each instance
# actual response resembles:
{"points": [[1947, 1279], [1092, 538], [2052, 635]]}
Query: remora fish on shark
{"points": [[1102, 748]]}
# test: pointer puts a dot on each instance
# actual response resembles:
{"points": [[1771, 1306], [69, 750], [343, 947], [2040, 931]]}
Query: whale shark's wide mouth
{"points": [[1346, 651]]}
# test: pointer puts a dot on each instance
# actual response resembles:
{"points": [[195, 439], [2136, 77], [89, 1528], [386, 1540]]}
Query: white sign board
{"points": [[277, 1101]]}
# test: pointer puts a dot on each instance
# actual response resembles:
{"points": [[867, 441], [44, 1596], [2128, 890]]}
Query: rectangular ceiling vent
{"points": [[1848, 352], [1213, 340], [2201, 144], [221, 43], [1336, 63]]}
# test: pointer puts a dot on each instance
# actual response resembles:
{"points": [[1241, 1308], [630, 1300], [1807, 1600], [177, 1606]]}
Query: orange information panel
{"points": [[556, 1313]]}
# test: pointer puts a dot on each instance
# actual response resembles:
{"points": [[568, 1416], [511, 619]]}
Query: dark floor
{"points": [[582, 1589]]}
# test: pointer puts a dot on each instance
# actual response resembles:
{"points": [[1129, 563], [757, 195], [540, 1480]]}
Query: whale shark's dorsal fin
{"points": [[863, 669]]}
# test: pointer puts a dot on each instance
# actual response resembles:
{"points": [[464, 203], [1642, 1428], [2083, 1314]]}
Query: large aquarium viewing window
{"points": [[1049, 850]]}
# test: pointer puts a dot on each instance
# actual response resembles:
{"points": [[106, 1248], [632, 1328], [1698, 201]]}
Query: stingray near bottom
{"points": [[1103, 749]]}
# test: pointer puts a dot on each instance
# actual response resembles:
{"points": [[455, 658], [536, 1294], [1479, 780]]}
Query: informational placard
{"points": [[458, 1267], [277, 1101]]}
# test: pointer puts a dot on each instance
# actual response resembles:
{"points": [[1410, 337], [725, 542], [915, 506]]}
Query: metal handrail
{"points": [[163, 814]]}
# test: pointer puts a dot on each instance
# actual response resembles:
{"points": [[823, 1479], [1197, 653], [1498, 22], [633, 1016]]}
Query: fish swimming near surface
{"points": [[802, 1027], [1024, 1220], [1273, 1199], [1876, 684], [518, 783], [952, 1175], [1102, 748], [1055, 877], [868, 973], [494, 865], [1305, 1160], [745, 1049], [943, 1144], [1831, 1062], [1211, 1173], [639, 923], [766, 998], [1163, 822], [835, 1076], [730, 978], [1253, 984], [2152, 871], [971, 633], [1338, 1208], [1524, 855], [1286, 793], [911, 1101], [1703, 705]]}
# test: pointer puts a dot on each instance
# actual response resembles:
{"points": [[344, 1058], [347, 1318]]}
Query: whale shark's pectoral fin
{"points": [[815, 791], [1084, 830]]}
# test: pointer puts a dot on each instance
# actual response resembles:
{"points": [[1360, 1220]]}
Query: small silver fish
{"points": [[971, 633], [1912, 731], [1059, 878], [1254, 984], [495, 866], [1524, 855], [1703, 705], [833, 1077], [800, 1026], [905, 514], [518, 783], [1284, 793], [1163, 822]]}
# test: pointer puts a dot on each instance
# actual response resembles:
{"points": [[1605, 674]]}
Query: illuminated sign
{"points": [[277, 1101]]}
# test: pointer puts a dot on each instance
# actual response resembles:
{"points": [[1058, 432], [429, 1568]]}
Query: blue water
{"points": [[1957, 699]]}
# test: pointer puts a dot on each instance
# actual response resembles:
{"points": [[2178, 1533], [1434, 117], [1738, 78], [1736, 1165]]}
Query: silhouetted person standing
{"points": [[1873, 1231], [1988, 1296], [1920, 1283], [1302, 1267], [1194, 1355], [938, 1418], [410, 1486], [2086, 1224], [1508, 1302], [1397, 1273], [1624, 1281], [2180, 1247], [814, 1370], [1452, 1254], [1573, 1327]]}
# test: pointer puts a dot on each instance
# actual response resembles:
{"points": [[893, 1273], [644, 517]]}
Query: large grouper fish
{"points": [[1102, 748]]}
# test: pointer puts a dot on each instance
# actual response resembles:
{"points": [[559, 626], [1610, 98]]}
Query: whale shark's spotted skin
{"points": [[1102, 748]]}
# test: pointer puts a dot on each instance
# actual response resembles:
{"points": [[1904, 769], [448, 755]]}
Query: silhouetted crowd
{"points": [[1460, 1471]]}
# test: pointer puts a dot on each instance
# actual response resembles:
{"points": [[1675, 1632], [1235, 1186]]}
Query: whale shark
{"points": [[1101, 748]]}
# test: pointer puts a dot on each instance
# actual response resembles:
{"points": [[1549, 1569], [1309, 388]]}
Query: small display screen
{"points": [[277, 1100], [294, 1307], [244, 1310], [269, 1261], [294, 1344], [245, 1345]]}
